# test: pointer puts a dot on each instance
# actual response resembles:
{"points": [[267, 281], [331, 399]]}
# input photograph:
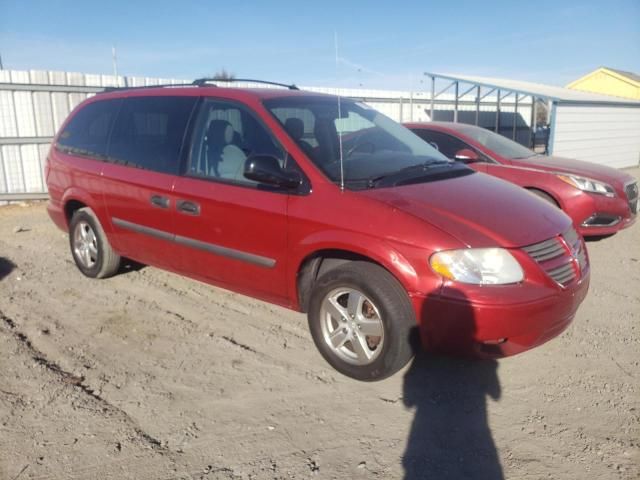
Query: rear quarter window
{"points": [[87, 133]]}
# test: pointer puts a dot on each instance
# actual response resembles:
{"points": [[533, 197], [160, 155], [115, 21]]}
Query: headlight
{"points": [[588, 184], [480, 266]]}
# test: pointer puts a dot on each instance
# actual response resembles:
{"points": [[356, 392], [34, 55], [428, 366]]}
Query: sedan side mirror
{"points": [[266, 169], [466, 155]]}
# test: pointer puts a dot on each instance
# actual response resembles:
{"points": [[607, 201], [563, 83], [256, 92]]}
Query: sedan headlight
{"points": [[588, 184], [480, 266]]}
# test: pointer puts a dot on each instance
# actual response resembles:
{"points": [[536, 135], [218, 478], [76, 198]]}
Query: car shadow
{"points": [[450, 436], [127, 265], [6, 267]]}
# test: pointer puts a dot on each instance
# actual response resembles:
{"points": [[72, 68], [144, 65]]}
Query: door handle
{"points": [[159, 201], [190, 208]]}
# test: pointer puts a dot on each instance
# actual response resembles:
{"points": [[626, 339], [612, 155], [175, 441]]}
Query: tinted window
{"points": [[446, 144], [497, 143], [87, 132], [149, 132], [225, 136]]}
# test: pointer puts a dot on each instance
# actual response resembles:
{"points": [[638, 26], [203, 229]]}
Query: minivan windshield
{"points": [[375, 151], [501, 145]]}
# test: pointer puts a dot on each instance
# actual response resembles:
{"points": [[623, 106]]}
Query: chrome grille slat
{"points": [[545, 250], [541, 245], [567, 267], [631, 191], [565, 277], [549, 256], [548, 252]]}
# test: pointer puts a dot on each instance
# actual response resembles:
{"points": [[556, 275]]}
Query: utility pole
{"points": [[1, 67], [115, 60]]}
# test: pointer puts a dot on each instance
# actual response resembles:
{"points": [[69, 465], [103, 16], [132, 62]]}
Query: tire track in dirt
{"points": [[79, 383]]}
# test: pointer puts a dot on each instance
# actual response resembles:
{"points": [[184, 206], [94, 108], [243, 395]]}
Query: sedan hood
{"points": [[478, 210], [577, 167]]}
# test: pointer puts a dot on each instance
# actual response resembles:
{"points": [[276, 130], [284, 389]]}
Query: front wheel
{"points": [[361, 321]]}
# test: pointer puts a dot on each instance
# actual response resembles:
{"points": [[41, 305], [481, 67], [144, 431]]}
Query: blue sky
{"points": [[381, 45]]}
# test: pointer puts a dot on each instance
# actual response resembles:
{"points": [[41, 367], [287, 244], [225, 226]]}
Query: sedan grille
{"points": [[563, 258], [631, 191]]}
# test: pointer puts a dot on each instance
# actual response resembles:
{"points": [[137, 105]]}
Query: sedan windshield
{"points": [[501, 145], [355, 142]]}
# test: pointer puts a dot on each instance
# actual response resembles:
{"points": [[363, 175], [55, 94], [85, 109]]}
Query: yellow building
{"points": [[609, 82]]}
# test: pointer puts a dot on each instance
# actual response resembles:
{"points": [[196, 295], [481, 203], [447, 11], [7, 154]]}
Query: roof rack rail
{"points": [[204, 81], [161, 85]]}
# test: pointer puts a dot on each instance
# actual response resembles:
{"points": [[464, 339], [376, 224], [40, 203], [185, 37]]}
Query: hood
{"points": [[478, 210], [603, 173]]}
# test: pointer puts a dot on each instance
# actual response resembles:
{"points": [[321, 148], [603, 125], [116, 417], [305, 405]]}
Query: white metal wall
{"points": [[607, 135], [29, 118]]}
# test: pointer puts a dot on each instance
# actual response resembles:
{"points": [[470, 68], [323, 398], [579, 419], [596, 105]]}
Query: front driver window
{"points": [[225, 136]]}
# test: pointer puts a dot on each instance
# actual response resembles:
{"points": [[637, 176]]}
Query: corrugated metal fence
{"points": [[33, 105]]}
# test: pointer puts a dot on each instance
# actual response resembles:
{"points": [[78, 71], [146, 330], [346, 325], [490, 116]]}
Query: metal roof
{"points": [[550, 92], [631, 75]]}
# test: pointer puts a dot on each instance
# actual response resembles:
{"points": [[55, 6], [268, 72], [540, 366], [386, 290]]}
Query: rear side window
{"points": [[87, 133], [149, 132], [446, 144]]}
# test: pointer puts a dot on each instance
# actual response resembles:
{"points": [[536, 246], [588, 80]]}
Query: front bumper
{"points": [[496, 321], [597, 215]]}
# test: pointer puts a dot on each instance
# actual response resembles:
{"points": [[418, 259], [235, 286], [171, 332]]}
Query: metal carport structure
{"points": [[593, 127]]}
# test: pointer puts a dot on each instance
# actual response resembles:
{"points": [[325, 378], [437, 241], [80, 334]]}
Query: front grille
{"points": [[564, 274], [563, 258], [546, 250], [631, 191]]}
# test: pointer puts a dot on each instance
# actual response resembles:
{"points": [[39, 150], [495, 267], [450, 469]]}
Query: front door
{"points": [[231, 230]]}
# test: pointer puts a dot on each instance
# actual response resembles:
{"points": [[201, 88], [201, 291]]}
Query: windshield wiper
{"points": [[409, 171]]}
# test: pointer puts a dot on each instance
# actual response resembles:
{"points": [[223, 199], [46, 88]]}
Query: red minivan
{"points": [[599, 199], [272, 193]]}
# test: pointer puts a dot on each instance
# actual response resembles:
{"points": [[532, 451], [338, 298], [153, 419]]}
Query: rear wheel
{"points": [[90, 248], [361, 321]]}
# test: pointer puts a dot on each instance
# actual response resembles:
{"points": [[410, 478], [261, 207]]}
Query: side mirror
{"points": [[266, 169], [466, 155]]}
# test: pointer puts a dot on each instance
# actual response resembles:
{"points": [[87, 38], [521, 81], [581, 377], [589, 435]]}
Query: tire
{"points": [[90, 248], [380, 305], [545, 196]]}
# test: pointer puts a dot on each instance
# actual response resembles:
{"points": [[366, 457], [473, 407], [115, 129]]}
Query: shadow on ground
{"points": [[127, 265], [6, 267], [450, 436]]}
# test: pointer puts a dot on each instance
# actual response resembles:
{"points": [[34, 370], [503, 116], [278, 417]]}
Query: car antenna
{"points": [[339, 117]]}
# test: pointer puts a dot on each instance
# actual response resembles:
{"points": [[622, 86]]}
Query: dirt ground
{"points": [[148, 375]]}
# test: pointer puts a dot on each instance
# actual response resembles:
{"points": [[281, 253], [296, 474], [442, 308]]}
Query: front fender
{"points": [[377, 250]]}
